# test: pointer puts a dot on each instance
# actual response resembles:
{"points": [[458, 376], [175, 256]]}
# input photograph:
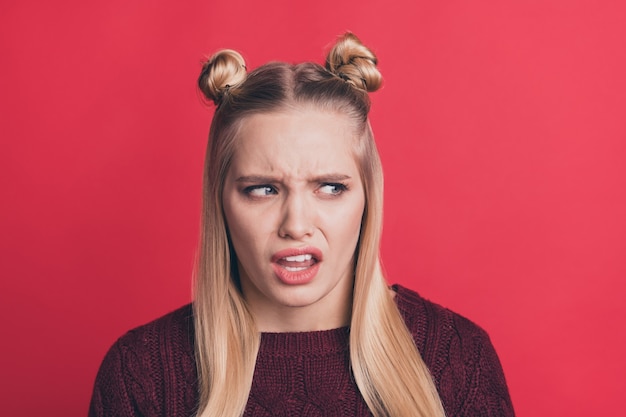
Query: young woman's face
{"points": [[293, 201]]}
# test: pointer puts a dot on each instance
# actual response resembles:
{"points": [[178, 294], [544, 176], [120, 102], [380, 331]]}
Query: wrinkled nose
{"points": [[297, 218]]}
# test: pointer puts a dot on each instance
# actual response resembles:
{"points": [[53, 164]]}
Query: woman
{"points": [[291, 314]]}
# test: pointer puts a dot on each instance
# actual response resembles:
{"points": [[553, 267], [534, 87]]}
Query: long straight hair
{"points": [[388, 369]]}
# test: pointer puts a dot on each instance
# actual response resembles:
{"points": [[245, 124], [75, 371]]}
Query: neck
{"points": [[299, 319], [332, 311]]}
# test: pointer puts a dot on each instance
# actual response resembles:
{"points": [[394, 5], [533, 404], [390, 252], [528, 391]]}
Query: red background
{"points": [[502, 131]]}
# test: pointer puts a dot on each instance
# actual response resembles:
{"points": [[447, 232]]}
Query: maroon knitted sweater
{"points": [[151, 371]]}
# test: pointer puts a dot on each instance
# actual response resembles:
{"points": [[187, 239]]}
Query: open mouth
{"points": [[298, 262], [297, 265]]}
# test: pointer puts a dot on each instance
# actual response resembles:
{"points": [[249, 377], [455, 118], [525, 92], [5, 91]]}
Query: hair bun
{"points": [[225, 70], [355, 63]]}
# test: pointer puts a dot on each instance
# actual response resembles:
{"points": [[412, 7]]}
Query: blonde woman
{"points": [[291, 314]]}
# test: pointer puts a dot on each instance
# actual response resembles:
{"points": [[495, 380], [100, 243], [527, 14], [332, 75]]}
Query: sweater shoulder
{"points": [[174, 327], [160, 354], [426, 318], [148, 367], [459, 355], [444, 338]]}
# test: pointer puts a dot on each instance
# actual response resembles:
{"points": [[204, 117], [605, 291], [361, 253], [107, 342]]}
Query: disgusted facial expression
{"points": [[293, 201]]}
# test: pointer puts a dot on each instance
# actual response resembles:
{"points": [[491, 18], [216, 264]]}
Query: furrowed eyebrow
{"points": [[264, 179], [331, 178], [256, 179]]}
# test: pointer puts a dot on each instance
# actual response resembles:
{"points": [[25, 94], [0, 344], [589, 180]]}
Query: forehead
{"points": [[295, 142]]}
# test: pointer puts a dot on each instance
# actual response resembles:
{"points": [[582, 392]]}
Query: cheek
{"points": [[235, 223], [247, 233], [348, 223]]}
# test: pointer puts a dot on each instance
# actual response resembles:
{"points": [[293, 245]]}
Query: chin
{"points": [[298, 297]]}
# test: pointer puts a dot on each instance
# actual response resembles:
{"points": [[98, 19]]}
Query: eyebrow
{"points": [[267, 179]]}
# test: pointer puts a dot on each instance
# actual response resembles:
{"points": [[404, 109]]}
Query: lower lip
{"points": [[296, 277]]}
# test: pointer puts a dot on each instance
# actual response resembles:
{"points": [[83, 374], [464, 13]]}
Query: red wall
{"points": [[502, 131]]}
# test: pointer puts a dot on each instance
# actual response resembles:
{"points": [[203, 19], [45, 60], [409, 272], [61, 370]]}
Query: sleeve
{"points": [[111, 396], [488, 395]]}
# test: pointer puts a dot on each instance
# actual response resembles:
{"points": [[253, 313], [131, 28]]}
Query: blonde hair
{"points": [[388, 369]]}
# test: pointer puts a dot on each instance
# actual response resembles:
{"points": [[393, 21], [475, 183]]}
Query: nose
{"points": [[296, 218]]}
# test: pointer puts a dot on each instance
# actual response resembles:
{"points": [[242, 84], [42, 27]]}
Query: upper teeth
{"points": [[299, 258]]}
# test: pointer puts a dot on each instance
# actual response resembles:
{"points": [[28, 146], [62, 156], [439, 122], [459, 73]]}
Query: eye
{"points": [[259, 190], [332, 188]]}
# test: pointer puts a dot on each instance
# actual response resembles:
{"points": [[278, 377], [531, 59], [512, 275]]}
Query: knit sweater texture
{"points": [[151, 371]]}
